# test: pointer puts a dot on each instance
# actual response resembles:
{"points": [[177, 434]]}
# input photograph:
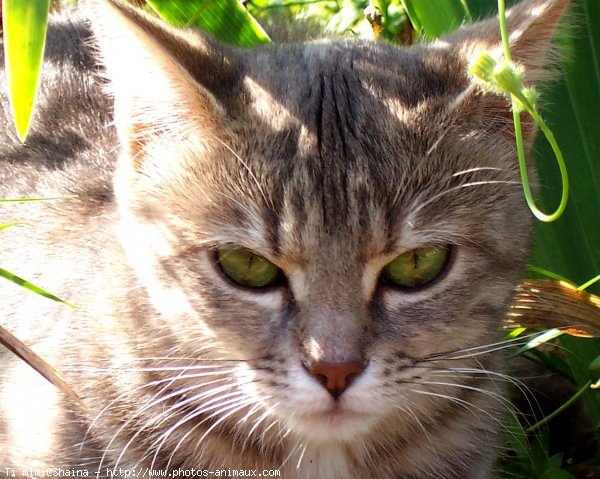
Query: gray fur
{"points": [[328, 158]]}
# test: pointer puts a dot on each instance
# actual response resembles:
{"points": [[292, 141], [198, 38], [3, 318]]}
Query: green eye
{"points": [[416, 267], [248, 269]]}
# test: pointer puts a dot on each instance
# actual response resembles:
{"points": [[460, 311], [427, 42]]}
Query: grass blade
{"points": [[12, 223], [31, 287], [24, 37], [42, 198]]}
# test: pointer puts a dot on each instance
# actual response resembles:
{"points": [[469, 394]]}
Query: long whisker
{"points": [[298, 446], [301, 457], [175, 407], [153, 402], [206, 406], [486, 392], [462, 402], [408, 410], [235, 407], [518, 341], [257, 422], [476, 170], [143, 370], [467, 404], [465, 185], [169, 381], [473, 373]]}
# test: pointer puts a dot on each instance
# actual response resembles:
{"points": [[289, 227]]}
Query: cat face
{"points": [[328, 162]]}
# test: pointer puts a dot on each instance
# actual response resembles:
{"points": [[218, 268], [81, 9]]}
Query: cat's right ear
{"points": [[531, 25], [166, 83]]}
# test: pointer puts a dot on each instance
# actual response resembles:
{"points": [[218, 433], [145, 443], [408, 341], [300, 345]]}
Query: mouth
{"points": [[334, 424], [336, 417]]}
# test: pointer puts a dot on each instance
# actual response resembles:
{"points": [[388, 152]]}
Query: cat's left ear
{"points": [[531, 25], [167, 83]]}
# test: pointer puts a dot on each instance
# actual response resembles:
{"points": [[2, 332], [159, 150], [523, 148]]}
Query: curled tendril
{"points": [[505, 77]]}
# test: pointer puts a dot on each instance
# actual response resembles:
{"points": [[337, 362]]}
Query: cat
{"points": [[294, 258]]}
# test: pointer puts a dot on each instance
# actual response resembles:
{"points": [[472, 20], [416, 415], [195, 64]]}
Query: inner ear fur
{"points": [[165, 81]]}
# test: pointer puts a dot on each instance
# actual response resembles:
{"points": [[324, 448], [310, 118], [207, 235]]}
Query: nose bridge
{"points": [[333, 317]]}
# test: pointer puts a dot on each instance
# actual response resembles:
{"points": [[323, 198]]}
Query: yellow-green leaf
{"points": [[30, 286], [24, 37], [227, 20], [433, 18]]}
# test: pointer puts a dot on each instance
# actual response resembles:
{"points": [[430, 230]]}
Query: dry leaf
{"points": [[37, 363], [548, 304]]}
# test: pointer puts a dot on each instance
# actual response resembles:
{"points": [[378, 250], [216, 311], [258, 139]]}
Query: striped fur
{"points": [[328, 158]]}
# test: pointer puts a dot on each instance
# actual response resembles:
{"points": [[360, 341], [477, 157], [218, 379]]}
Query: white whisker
{"points": [[234, 408], [465, 185]]}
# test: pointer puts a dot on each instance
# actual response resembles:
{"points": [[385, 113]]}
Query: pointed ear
{"points": [[164, 81], [531, 25]]}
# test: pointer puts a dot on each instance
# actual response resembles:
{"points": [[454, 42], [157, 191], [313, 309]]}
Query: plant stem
{"points": [[517, 97], [587, 284]]}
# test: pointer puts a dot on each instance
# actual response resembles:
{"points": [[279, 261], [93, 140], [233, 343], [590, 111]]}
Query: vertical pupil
{"points": [[415, 259]]}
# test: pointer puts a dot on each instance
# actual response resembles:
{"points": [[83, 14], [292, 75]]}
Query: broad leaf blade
{"points": [[24, 37], [485, 8], [433, 18], [571, 246], [227, 20]]}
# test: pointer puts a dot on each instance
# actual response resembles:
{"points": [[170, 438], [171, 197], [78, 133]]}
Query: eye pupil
{"points": [[416, 267], [248, 269]]}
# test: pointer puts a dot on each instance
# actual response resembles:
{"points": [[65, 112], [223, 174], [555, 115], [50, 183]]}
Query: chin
{"points": [[334, 426]]}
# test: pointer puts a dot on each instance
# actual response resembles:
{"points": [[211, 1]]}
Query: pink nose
{"points": [[335, 377]]}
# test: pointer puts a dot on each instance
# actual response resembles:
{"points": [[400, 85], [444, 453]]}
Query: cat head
{"points": [[341, 223]]}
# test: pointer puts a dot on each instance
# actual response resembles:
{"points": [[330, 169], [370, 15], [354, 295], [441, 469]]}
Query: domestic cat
{"points": [[294, 257]]}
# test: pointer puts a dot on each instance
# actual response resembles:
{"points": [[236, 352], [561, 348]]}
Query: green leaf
{"points": [[42, 198], [579, 354], [227, 20], [515, 436], [557, 474], [556, 461], [24, 37], [433, 18], [485, 8], [571, 246], [12, 223], [31, 287], [594, 368]]}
